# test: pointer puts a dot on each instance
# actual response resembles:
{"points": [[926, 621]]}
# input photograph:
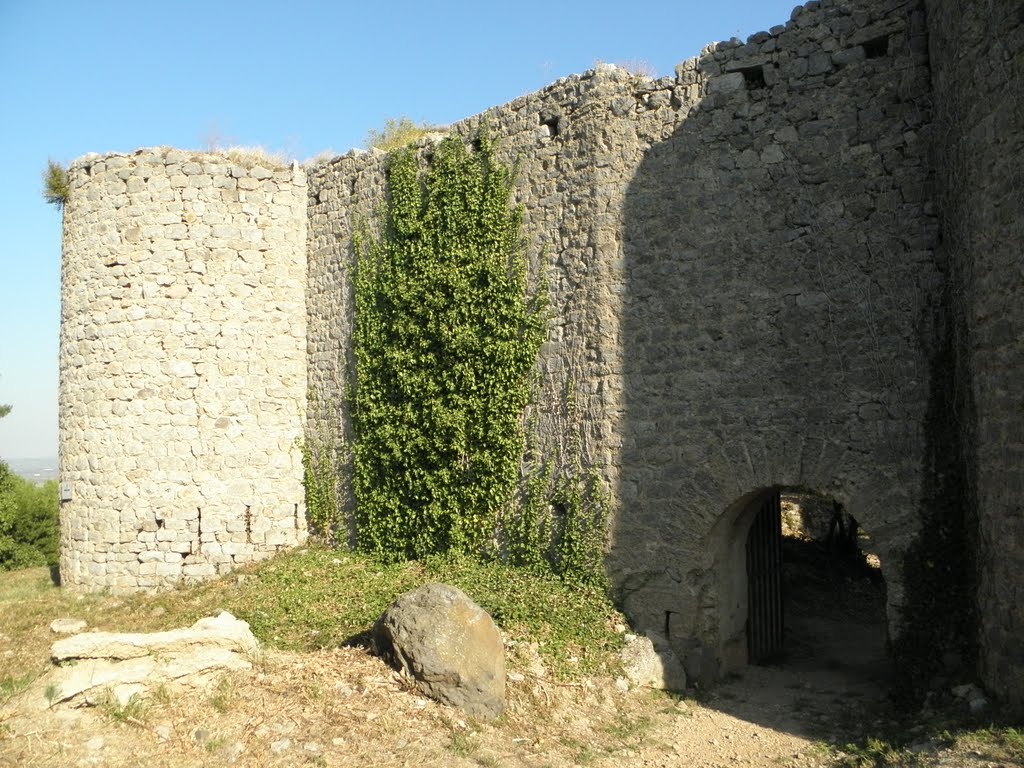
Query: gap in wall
{"points": [[834, 597]]}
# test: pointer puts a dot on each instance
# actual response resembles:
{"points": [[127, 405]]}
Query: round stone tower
{"points": [[182, 366]]}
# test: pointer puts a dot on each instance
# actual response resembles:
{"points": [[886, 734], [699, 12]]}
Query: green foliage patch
{"points": [[29, 522], [445, 339], [322, 480], [320, 598], [559, 525], [56, 188]]}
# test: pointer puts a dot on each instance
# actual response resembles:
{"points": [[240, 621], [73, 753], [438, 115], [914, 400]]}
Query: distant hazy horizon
{"points": [[35, 470]]}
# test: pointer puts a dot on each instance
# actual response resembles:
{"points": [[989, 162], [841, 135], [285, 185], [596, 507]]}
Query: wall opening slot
{"points": [[754, 77], [550, 122], [876, 48]]}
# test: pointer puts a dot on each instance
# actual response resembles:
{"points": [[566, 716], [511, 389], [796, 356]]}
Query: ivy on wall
{"points": [[558, 524], [323, 464], [445, 338]]}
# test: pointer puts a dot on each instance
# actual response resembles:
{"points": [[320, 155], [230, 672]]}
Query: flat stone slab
{"points": [[93, 666], [67, 626]]}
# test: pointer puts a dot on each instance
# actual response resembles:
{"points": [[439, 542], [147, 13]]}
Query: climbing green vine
{"points": [[446, 335], [558, 524], [322, 478]]}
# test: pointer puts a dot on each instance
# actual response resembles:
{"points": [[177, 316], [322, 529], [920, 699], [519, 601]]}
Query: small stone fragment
{"points": [[68, 626]]}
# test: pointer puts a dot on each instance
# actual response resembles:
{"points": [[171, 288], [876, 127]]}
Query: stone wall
{"points": [[978, 70], [343, 196], [747, 288], [182, 367], [741, 276], [553, 138], [778, 299]]}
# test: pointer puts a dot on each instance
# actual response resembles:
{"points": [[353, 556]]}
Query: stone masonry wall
{"points": [[182, 367], [342, 198], [978, 70], [747, 289], [551, 137], [742, 287], [779, 308]]}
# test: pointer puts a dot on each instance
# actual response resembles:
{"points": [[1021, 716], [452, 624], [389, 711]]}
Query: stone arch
{"points": [[731, 540]]}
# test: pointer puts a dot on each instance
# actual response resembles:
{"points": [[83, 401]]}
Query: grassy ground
{"points": [[316, 598]]}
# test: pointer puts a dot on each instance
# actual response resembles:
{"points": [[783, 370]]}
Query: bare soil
{"points": [[346, 708]]}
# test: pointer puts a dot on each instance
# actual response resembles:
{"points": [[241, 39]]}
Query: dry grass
{"points": [[339, 707], [399, 133], [639, 68], [250, 157]]}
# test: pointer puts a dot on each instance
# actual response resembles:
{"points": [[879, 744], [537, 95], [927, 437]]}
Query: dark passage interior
{"points": [[830, 617]]}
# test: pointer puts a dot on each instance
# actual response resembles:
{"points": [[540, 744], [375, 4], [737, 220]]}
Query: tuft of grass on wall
{"points": [[250, 157], [399, 133]]}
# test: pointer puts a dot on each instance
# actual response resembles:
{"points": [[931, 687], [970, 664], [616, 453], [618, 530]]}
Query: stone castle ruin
{"points": [[795, 264]]}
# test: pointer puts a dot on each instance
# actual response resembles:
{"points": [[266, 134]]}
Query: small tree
{"points": [[29, 524], [55, 184]]}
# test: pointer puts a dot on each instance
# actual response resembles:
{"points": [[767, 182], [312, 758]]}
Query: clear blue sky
{"points": [[295, 77]]}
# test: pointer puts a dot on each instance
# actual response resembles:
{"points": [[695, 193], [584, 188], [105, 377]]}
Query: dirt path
{"points": [[345, 708]]}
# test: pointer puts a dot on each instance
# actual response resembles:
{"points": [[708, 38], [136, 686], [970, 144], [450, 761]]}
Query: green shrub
{"points": [[29, 522], [322, 480], [559, 525], [55, 184], [14, 555]]}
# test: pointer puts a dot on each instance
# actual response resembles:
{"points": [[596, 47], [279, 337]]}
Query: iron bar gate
{"points": [[764, 579]]}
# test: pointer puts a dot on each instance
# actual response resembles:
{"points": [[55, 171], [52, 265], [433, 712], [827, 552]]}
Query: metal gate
{"points": [[764, 579]]}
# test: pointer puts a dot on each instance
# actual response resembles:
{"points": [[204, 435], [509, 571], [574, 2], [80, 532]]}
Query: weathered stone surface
{"points": [[221, 631], [449, 645], [738, 267], [649, 661], [182, 304], [94, 665], [977, 73]]}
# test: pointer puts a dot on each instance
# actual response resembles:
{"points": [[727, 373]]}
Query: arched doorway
{"points": [[800, 586]]}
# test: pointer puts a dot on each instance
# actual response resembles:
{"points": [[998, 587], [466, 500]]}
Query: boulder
{"points": [[448, 645], [650, 661]]}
